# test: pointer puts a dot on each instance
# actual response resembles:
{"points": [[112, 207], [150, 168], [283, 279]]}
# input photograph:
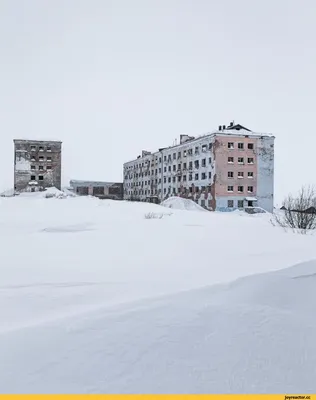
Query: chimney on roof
{"points": [[220, 127]]}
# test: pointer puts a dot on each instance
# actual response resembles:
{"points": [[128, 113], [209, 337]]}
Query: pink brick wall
{"points": [[222, 152]]}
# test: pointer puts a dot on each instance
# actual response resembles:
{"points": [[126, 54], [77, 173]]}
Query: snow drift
{"points": [[109, 302], [180, 203]]}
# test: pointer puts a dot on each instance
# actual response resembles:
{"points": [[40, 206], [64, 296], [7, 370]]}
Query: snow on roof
{"points": [[251, 199]]}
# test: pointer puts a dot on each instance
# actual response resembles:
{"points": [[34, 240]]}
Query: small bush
{"points": [[153, 215]]}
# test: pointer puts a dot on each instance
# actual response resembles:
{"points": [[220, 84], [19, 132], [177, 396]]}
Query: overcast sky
{"points": [[112, 77]]}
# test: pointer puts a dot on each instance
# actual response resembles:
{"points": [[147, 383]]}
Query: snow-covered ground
{"points": [[96, 298]]}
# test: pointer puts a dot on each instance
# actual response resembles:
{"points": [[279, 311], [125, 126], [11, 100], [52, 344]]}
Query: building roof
{"points": [[35, 141], [93, 183]]}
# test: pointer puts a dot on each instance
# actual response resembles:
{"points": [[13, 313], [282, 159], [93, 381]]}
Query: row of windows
{"points": [[39, 178], [41, 148], [41, 167], [240, 146], [179, 178], [240, 189], [240, 174], [241, 160], [41, 159], [240, 203], [177, 155], [144, 192], [174, 168]]}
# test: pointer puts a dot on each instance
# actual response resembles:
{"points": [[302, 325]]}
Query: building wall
{"points": [[265, 185], [98, 189], [37, 165]]}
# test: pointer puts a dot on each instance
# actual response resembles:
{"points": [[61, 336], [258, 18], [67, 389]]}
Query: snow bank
{"points": [[97, 299], [180, 203]]}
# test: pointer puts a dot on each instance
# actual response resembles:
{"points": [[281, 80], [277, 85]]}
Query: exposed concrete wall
{"points": [[37, 165], [265, 186], [99, 189]]}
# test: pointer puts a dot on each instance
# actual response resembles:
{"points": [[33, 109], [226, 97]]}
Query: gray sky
{"points": [[112, 77]]}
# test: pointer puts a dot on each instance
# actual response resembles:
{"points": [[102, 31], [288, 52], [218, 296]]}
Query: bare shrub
{"points": [[152, 215], [298, 212]]}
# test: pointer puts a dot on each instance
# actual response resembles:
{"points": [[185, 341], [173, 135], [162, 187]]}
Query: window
{"points": [[169, 157], [156, 171], [184, 165], [184, 178], [41, 148], [33, 158], [240, 204], [179, 154], [196, 177], [196, 164], [159, 169], [230, 160], [230, 145], [240, 174], [164, 179], [190, 177], [165, 169], [174, 190], [190, 152], [250, 189], [209, 175], [41, 178], [190, 165], [196, 150], [173, 179], [204, 148], [174, 167], [240, 189], [165, 158], [240, 146], [230, 203], [169, 168], [250, 146], [184, 153], [41, 158], [210, 160], [230, 188], [250, 174], [33, 148], [41, 168], [33, 167], [250, 160], [49, 148], [179, 167], [165, 190], [240, 160], [179, 178], [196, 189], [204, 162], [202, 203], [230, 174], [210, 145], [174, 156], [203, 175], [33, 178], [159, 181], [159, 160], [190, 189]]}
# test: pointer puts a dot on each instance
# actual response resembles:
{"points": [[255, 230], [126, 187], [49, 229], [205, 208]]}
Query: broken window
{"points": [[196, 150], [250, 146], [250, 174], [164, 179], [98, 191], [230, 188], [190, 165], [33, 158], [165, 169], [41, 158], [203, 175], [165, 158], [240, 204], [190, 152], [190, 189], [190, 177], [174, 167], [179, 154], [210, 160], [196, 189], [174, 156], [230, 145], [204, 148], [209, 175], [204, 162], [240, 160], [184, 178], [33, 178], [240, 174], [33, 167], [202, 203], [169, 179], [159, 170], [230, 174], [184, 165], [196, 164], [196, 177], [240, 189], [41, 148], [49, 148], [179, 178], [184, 153], [230, 203], [240, 146], [210, 145], [230, 160], [250, 160], [41, 178], [173, 179], [33, 148], [41, 168], [250, 189]]}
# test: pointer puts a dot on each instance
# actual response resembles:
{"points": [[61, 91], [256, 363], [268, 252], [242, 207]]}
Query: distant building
{"points": [[37, 165], [104, 190], [230, 168]]}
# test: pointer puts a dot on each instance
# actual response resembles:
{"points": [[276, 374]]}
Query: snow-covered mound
{"points": [[111, 302], [180, 203], [7, 193]]}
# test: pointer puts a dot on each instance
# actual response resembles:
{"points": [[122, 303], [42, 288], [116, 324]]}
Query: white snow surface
{"points": [[95, 298], [180, 203]]}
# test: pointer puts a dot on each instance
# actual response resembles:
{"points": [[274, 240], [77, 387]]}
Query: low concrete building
{"points": [[103, 190], [37, 165]]}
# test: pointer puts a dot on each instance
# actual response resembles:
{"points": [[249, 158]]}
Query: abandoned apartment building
{"points": [[102, 190], [227, 169], [37, 165]]}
